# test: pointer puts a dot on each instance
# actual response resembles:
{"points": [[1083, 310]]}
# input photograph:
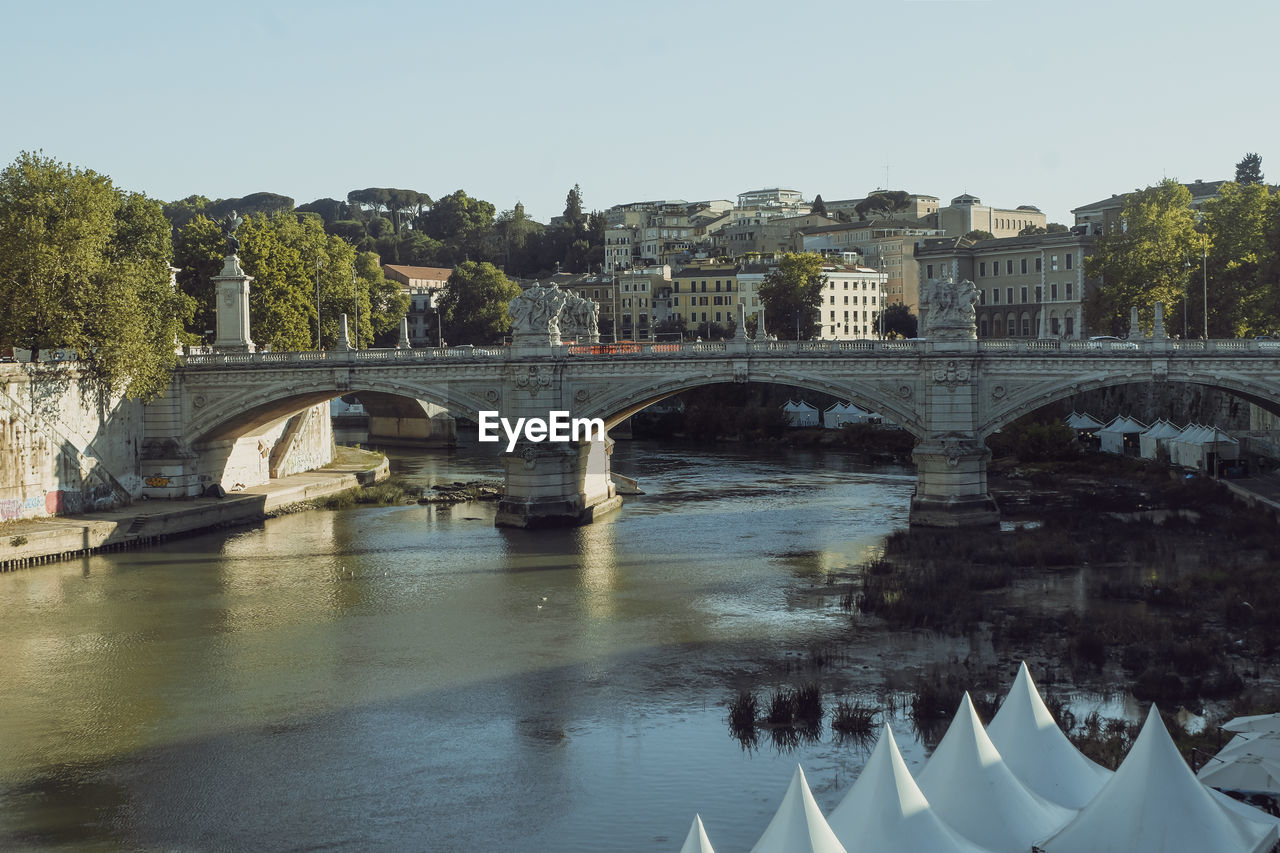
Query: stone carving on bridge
{"points": [[542, 315], [533, 381], [952, 375], [948, 310]]}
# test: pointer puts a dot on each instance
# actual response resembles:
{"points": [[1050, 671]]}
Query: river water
{"points": [[414, 678]]}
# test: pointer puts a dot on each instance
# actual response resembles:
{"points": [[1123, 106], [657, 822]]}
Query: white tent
{"points": [[847, 413], [1083, 421], [1153, 803], [972, 789], [1200, 448], [1254, 723], [1251, 762], [798, 826], [1121, 434], [1157, 436], [885, 812], [1037, 751], [697, 841], [800, 414]]}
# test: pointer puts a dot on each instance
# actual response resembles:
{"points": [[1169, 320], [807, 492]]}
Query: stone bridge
{"points": [[950, 394]]}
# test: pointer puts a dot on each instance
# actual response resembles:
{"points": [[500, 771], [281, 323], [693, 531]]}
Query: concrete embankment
{"points": [[41, 540]]}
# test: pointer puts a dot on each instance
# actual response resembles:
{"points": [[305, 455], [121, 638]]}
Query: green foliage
{"points": [[1249, 170], [1056, 228], [85, 266], [460, 223], [197, 253], [1235, 227], [574, 219], [792, 294], [819, 207], [1145, 261], [1029, 440], [882, 203], [900, 322], [978, 234], [474, 304], [1032, 230]]}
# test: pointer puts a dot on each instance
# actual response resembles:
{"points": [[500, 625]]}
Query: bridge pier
{"points": [[951, 486], [557, 485]]}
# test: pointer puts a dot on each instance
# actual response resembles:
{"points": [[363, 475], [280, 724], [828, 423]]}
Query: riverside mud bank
{"points": [[40, 540]]}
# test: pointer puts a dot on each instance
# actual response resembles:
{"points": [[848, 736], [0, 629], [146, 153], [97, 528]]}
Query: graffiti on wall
{"points": [[157, 482]]}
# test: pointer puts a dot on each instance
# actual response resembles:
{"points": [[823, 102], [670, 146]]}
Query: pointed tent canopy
{"points": [[1037, 751], [798, 826], [1112, 436], [972, 789], [1083, 420], [1153, 803], [697, 841], [1161, 432], [885, 812], [1254, 723]]}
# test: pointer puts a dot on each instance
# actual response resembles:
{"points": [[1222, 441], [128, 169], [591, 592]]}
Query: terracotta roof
{"points": [[430, 273]]}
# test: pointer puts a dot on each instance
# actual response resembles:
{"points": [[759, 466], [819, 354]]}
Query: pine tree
{"points": [[819, 207], [1249, 170]]}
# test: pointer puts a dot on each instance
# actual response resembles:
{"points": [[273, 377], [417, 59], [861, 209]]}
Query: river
{"points": [[413, 678]]}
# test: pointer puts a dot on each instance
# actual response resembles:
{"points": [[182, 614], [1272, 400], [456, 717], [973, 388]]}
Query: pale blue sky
{"points": [[1054, 104]]}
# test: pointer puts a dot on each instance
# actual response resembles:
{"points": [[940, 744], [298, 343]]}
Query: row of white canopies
{"points": [[1187, 446], [802, 414], [1016, 786]]}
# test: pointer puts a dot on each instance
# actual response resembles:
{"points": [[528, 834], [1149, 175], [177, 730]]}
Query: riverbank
{"points": [[33, 541]]}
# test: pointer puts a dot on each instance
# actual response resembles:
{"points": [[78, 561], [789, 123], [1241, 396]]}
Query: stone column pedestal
{"points": [[557, 485], [951, 486], [232, 307]]}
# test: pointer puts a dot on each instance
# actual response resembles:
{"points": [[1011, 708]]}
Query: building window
{"points": [[1053, 263], [982, 268], [846, 299], [1013, 326], [1026, 326], [1039, 294], [1023, 293], [1053, 292], [982, 327], [1070, 288], [929, 271], [995, 268], [1008, 266], [1024, 266], [675, 302], [1071, 326], [1069, 257], [1053, 326], [1039, 264], [1009, 294], [995, 296]]}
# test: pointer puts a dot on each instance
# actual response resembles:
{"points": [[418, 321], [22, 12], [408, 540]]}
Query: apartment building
{"points": [[967, 213], [1029, 287], [423, 285], [852, 300], [705, 294], [887, 245], [766, 234]]}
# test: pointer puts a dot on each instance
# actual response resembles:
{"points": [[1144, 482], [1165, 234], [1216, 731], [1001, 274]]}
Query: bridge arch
{"points": [[248, 412], [619, 404], [1262, 393]]}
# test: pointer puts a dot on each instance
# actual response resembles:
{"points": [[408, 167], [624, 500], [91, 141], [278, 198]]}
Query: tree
{"points": [[1032, 230], [900, 322], [574, 219], [978, 234], [792, 296], [882, 203], [819, 207], [198, 250], [460, 223], [473, 307], [85, 266], [1146, 260], [1249, 170], [1056, 228], [1234, 234]]}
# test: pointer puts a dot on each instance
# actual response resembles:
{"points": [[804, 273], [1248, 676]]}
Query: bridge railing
{"points": [[695, 349]]}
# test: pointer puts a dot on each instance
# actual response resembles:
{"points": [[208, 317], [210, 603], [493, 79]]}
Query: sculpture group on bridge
{"points": [[948, 309], [544, 314]]}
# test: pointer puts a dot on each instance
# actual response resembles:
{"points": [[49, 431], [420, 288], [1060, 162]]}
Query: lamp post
{"points": [[1204, 268], [356, 290], [318, 347]]}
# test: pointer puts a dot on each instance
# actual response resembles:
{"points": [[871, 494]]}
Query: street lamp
{"points": [[356, 291], [1204, 268], [318, 347]]}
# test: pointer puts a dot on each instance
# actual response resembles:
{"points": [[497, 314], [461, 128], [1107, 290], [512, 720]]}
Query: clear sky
{"points": [[1056, 104]]}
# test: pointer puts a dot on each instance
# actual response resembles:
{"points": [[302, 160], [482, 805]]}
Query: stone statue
{"points": [[948, 309], [229, 225], [537, 313]]}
